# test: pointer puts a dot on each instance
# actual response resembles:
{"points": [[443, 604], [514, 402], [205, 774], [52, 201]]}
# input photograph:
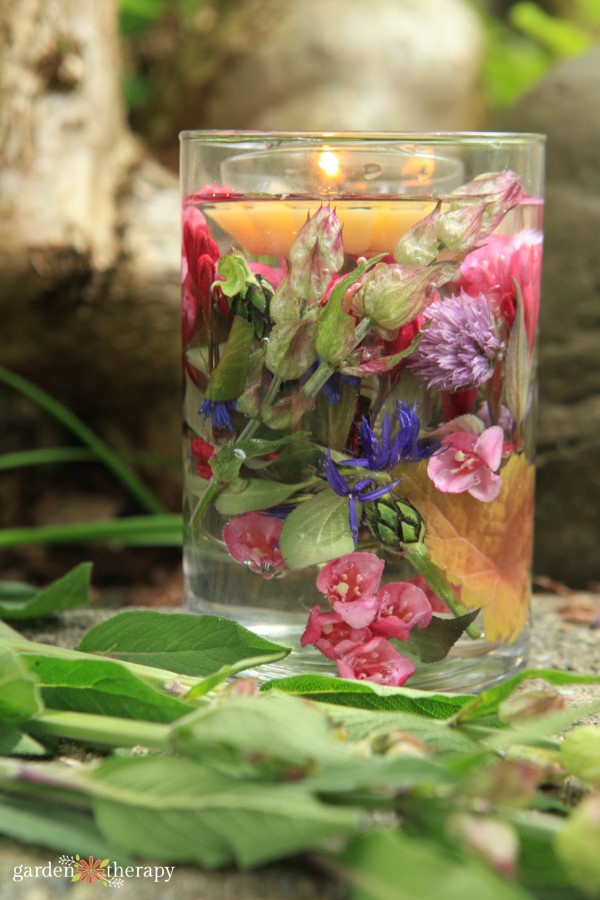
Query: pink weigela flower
{"points": [[402, 607], [253, 539], [468, 462], [331, 635], [350, 582], [376, 661]]}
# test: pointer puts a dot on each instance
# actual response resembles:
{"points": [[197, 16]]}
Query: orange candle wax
{"points": [[269, 227]]}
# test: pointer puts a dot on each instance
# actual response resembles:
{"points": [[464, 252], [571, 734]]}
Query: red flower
{"points": [[202, 452]]}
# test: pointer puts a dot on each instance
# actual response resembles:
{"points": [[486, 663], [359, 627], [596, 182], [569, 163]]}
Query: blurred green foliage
{"points": [[529, 40], [523, 41]]}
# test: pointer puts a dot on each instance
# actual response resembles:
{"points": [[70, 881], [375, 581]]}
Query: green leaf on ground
{"points": [[15, 742], [486, 703], [388, 865], [368, 695], [178, 810], [19, 694], [47, 824], [178, 642], [316, 531], [102, 687], [21, 601], [273, 726]]}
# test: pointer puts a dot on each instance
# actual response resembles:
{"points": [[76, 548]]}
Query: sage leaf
{"points": [[363, 695], [20, 601], [389, 865], [19, 695], [316, 531], [48, 824], [102, 687], [274, 726], [16, 743], [187, 644], [178, 810], [257, 494], [486, 704], [228, 378]]}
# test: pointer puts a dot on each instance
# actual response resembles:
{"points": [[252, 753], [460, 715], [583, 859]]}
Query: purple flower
{"points": [[461, 346], [403, 447], [219, 411], [355, 492]]}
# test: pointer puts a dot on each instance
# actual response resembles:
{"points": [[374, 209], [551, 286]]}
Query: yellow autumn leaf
{"points": [[483, 547]]}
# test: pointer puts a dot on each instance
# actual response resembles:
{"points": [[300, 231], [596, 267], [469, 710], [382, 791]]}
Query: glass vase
{"points": [[359, 318]]}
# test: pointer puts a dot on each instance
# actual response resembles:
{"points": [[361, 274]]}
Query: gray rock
{"points": [[391, 65], [566, 107]]}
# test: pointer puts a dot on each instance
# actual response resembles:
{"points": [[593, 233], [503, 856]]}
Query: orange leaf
{"points": [[483, 547]]}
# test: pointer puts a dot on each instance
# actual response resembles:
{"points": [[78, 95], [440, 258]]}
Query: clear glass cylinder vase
{"points": [[359, 319]]}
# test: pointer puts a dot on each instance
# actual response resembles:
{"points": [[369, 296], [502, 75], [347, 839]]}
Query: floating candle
{"points": [[269, 227]]}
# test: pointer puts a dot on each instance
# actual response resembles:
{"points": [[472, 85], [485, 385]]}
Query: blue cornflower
{"points": [[403, 447], [219, 411], [331, 388], [355, 492]]}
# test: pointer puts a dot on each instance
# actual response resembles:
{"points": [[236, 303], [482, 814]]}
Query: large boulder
{"points": [[566, 107]]}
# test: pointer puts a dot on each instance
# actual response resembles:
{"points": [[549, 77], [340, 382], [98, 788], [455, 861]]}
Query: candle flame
{"points": [[329, 164]]}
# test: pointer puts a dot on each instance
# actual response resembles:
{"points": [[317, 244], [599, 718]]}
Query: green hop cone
{"points": [[395, 522]]}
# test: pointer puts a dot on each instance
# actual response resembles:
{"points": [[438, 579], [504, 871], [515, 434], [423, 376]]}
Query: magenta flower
{"points": [[376, 661], [402, 607], [331, 635], [493, 269], [253, 539], [351, 577], [461, 346], [198, 271], [468, 463]]}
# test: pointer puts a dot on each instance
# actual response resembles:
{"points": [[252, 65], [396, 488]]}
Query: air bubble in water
{"points": [[371, 171]]}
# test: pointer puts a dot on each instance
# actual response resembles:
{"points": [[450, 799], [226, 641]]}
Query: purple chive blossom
{"points": [[461, 346], [355, 493], [403, 447], [219, 411]]}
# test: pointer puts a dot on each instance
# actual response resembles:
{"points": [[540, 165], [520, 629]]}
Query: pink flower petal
{"points": [[487, 487], [376, 661], [357, 613], [351, 577], [253, 539], [488, 446]]}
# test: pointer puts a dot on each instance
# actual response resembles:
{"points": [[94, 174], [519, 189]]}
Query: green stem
{"points": [[161, 530], [435, 578], [270, 394], [212, 489], [88, 727], [85, 434], [150, 674]]}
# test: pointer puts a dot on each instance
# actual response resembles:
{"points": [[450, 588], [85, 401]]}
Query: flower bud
{"points": [[490, 839], [419, 245], [393, 295], [316, 254], [530, 705], [577, 845], [394, 522], [458, 229], [580, 753]]}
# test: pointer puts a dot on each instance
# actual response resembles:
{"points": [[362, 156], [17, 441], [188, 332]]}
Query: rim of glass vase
{"points": [[440, 137]]}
